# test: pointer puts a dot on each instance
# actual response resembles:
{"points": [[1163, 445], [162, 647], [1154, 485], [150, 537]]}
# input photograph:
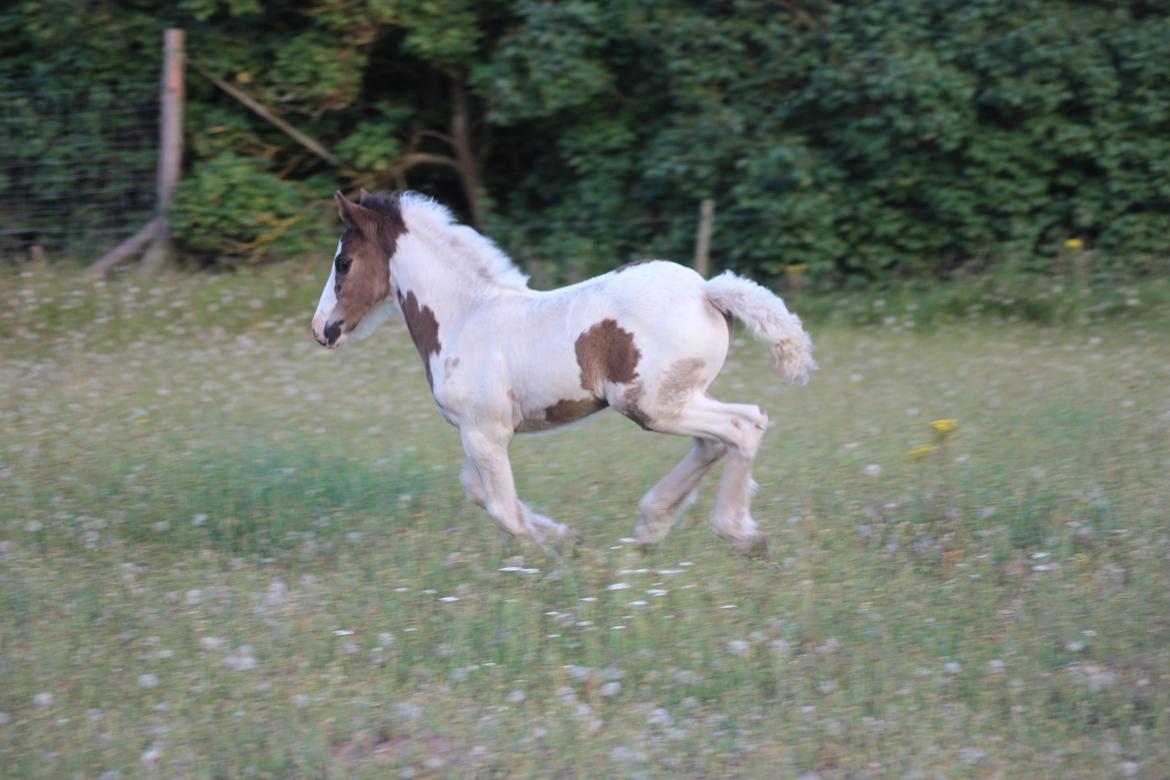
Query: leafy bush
{"points": [[867, 141], [229, 206]]}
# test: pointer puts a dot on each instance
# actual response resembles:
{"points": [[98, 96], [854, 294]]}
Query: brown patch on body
{"points": [[569, 411], [630, 405], [449, 366], [630, 265], [606, 353], [560, 413], [680, 381], [424, 330]]}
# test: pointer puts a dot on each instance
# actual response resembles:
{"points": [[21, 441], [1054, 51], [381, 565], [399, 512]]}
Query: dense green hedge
{"points": [[866, 140]]}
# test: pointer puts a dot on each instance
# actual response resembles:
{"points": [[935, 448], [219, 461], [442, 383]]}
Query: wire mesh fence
{"points": [[77, 168]]}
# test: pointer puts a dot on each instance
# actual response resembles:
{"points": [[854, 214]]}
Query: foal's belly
{"points": [[562, 412]]}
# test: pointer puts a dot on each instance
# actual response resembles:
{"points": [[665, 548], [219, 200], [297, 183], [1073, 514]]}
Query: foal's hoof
{"points": [[570, 542], [755, 547], [562, 545]]}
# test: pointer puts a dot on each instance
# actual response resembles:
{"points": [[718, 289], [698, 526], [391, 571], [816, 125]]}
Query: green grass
{"points": [[225, 552]]}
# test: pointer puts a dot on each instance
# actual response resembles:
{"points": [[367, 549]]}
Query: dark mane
{"points": [[388, 224], [387, 202]]}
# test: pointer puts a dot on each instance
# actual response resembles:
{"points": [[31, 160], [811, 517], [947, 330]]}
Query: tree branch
{"points": [[408, 161], [419, 135], [131, 246], [306, 141]]}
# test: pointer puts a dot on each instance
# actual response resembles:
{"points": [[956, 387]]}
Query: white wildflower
{"points": [[408, 710], [622, 754], [659, 717]]}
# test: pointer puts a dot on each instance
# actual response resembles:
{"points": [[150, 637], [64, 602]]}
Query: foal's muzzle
{"points": [[329, 335]]}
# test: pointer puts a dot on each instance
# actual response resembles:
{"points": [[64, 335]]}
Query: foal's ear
{"points": [[352, 215], [363, 193]]}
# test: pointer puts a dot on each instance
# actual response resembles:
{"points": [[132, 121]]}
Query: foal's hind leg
{"points": [[740, 428], [660, 507]]}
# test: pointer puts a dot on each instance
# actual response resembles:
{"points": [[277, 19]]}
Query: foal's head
{"points": [[358, 292]]}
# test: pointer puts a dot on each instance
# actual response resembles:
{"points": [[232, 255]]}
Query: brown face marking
{"points": [[424, 330], [682, 379], [568, 411], [606, 353], [629, 265], [368, 242]]}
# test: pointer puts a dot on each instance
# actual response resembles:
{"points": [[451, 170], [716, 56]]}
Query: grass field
{"points": [[225, 552]]}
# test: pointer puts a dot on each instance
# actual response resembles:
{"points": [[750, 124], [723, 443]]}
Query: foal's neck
{"points": [[441, 278]]}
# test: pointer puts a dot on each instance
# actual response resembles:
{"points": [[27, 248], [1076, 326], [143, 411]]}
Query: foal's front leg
{"points": [[487, 453]]}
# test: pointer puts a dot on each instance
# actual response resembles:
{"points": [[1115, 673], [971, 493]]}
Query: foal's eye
{"points": [[343, 264]]}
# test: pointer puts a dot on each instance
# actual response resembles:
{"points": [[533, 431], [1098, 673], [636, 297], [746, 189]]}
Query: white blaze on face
{"points": [[328, 300]]}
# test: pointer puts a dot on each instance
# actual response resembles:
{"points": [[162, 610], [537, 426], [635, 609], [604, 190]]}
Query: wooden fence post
{"points": [[170, 146], [703, 239]]}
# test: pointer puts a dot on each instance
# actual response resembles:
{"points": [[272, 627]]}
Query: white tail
{"points": [[768, 319]]}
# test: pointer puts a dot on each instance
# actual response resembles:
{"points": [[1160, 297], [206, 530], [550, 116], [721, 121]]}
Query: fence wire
{"points": [[77, 168]]}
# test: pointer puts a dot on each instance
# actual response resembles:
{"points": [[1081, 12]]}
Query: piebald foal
{"points": [[500, 358]]}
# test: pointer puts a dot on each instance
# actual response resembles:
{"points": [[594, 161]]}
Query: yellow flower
{"points": [[795, 268], [921, 451], [1074, 243], [945, 426]]}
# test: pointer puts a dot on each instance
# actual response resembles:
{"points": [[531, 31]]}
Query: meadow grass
{"points": [[227, 552]]}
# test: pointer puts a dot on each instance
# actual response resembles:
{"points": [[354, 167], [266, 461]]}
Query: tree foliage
{"points": [[891, 137]]}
